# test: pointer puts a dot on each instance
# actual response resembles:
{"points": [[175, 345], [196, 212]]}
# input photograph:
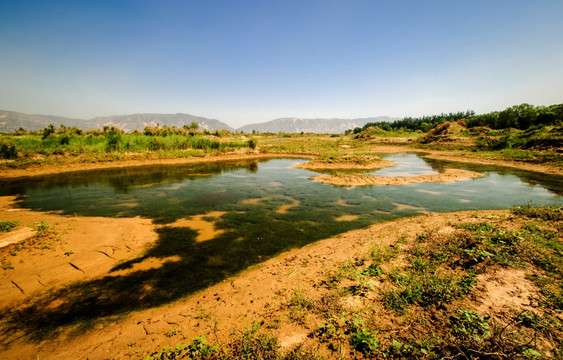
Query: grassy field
{"points": [[20, 151]]}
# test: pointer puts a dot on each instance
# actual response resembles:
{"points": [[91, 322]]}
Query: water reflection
{"points": [[408, 164], [219, 218]]}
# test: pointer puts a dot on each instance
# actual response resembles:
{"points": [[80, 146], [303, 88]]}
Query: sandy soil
{"points": [[450, 175], [318, 165], [96, 244], [258, 294]]}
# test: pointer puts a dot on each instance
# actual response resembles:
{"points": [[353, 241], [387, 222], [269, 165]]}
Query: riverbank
{"points": [[273, 295], [70, 165], [287, 297]]}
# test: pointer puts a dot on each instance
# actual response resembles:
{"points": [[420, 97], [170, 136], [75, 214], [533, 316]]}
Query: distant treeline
{"points": [[518, 116]]}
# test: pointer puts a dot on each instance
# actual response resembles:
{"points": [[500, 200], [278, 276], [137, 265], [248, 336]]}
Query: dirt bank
{"points": [[471, 158], [450, 175], [259, 294], [8, 173], [321, 165], [467, 158]]}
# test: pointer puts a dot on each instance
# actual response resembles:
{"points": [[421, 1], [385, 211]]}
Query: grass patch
{"points": [[421, 293], [8, 225], [44, 238], [251, 345]]}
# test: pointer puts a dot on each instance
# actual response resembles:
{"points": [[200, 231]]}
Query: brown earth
{"points": [[259, 294], [81, 248], [450, 175], [320, 165]]}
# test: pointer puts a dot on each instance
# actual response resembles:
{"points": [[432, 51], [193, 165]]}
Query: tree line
{"points": [[521, 117]]}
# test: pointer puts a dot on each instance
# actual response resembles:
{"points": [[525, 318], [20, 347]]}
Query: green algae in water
{"points": [[265, 208]]}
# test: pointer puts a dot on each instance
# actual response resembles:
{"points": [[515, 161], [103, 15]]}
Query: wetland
{"points": [[132, 240]]}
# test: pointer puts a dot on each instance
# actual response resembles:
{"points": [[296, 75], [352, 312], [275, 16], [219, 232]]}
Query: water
{"points": [[220, 218]]}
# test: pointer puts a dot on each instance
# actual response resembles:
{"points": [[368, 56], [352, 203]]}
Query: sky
{"points": [[251, 61]]}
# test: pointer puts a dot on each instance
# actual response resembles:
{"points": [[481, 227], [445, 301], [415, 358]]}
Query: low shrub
{"points": [[7, 225]]}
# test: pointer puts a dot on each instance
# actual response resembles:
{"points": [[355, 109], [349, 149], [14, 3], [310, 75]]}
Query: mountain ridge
{"points": [[11, 120], [306, 125]]}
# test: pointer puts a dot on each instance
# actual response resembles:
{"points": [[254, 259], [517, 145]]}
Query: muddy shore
{"points": [[257, 294], [7, 173]]}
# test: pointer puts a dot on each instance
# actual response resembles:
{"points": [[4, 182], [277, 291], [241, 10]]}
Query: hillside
{"points": [[10, 121], [140, 121], [320, 126]]}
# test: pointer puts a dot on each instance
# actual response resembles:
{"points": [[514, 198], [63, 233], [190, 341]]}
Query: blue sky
{"points": [[251, 61]]}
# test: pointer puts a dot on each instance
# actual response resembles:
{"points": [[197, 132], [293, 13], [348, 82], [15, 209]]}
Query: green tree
{"points": [[507, 118], [49, 130], [526, 114]]}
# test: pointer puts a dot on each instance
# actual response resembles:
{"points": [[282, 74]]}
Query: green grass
{"points": [[424, 287], [7, 225], [547, 213], [24, 150], [250, 345]]}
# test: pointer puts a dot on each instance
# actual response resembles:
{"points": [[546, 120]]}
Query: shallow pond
{"points": [[220, 218]]}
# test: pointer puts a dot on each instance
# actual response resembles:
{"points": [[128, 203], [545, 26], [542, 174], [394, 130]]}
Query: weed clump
{"points": [[8, 150], [420, 296], [250, 345], [7, 225]]}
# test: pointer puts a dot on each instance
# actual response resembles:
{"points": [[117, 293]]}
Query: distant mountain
{"points": [[320, 126], [140, 121], [10, 121]]}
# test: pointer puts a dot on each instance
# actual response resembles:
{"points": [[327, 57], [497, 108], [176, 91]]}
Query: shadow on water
{"points": [[186, 266], [249, 233], [260, 214]]}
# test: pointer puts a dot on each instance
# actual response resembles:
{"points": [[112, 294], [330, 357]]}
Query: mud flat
{"points": [[450, 175], [320, 165]]}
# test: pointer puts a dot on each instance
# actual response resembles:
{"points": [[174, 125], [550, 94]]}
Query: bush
{"points": [[8, 150], [7, 225], [113, 140], [49, 130], [547, 213], [64, 139], [156, 144]]}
